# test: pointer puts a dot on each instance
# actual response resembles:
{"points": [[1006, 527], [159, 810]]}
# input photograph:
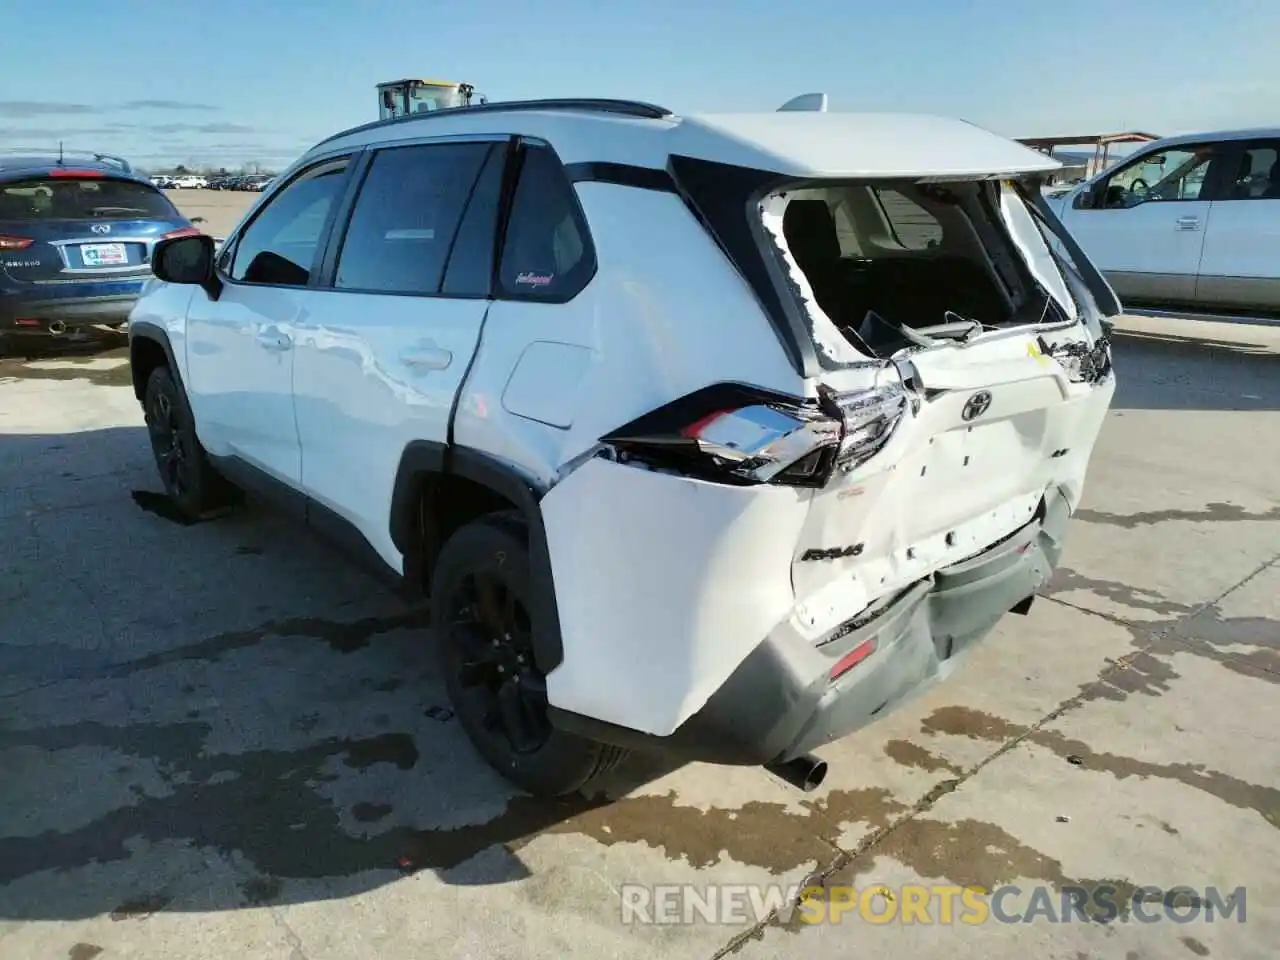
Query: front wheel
{"points": [[481, 595], [191, 482]]}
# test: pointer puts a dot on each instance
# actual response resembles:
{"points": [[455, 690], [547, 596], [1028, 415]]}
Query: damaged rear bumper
{"points": [[782, 701]]}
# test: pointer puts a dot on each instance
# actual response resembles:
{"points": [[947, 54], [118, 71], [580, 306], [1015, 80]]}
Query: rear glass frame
{"points": [[43, 208]]}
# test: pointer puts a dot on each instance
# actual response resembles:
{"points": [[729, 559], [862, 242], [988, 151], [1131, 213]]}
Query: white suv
{"points": [[713, 435]]}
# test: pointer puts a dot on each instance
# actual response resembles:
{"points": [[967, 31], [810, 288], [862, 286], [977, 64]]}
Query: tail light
{"points": [[183, 232], [15, 243], [729, 433]]}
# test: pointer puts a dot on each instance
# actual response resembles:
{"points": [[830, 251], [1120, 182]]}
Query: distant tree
{"points": [[181, 169], [251, 167]]}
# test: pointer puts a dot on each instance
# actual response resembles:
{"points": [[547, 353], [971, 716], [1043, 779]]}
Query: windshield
{"points": [[424, 97], [70, 198]]}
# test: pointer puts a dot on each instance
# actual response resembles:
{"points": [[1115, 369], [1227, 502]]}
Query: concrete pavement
{"points": [[222, 740]]}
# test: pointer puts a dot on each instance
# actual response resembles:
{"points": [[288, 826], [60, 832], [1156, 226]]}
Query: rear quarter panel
{"points": [[664, 315]]}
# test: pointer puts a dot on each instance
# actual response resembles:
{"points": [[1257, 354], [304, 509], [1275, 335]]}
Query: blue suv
{"points": [[75, 241]]}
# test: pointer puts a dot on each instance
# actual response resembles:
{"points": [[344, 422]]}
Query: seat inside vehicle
{"points": [[914, 256]]}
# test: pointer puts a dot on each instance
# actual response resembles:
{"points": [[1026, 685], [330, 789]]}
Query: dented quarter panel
{"points": [[673, 582], [665, 315]]}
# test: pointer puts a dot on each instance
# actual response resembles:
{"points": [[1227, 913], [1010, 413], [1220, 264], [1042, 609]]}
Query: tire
{"points": [[191, 482], [489, 678]]}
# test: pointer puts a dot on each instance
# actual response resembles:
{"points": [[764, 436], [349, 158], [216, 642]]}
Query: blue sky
{"points": [[228, 81]]}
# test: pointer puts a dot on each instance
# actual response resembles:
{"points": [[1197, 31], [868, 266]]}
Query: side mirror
{"points": [[1084, 200], [187, 260]]}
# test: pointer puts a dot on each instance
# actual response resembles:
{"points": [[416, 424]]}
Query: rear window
{"points": [[882, 258], [67, 198]]}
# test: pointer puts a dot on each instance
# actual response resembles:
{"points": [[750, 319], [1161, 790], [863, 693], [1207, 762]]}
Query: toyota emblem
{"points": [[101, 228], [976, 406]]}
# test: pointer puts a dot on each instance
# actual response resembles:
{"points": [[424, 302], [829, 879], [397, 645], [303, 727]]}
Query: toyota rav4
{"points": [[713, 435]]}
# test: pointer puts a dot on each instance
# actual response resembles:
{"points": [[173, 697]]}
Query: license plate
{"points": [[104, 254]]}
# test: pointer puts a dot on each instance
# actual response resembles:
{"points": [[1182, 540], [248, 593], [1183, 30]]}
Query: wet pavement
{"points": [[223, 740]]}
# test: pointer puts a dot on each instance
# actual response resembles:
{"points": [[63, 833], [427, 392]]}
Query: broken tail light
{"points": [[730, 433]]}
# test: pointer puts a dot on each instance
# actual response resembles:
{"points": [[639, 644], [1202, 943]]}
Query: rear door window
{"points": [[403, 225], [1257, 173], [83, 198]]}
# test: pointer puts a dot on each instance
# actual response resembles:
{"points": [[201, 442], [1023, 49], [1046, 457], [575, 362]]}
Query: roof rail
{"points": [[627, 108]]}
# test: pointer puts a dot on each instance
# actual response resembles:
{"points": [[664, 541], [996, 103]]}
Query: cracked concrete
{"points": [[223, 740]]}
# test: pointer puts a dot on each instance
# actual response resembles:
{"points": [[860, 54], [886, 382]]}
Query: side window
{"points": [[1175, 174], [911, 226], [547, 253], [279, 246], [403, 224], [470, 269], [1257, 175]]}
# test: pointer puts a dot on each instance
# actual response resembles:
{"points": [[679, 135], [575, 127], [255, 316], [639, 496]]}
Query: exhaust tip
{"points": [[57, 327], [805, 773]]}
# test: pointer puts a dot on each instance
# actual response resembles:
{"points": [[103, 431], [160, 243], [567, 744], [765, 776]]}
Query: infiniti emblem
{"points": [[101, 228], [976, 405]]}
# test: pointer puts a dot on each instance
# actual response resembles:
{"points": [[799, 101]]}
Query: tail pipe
{"points": [[805, 773], [57, 327]]}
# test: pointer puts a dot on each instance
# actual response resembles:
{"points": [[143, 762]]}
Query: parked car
{"points": [[1192, 220], [75, 242], [629, 534], [190, 182]]}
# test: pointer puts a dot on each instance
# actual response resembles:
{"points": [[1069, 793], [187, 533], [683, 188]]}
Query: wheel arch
{"points": [[441, 488], [149, 347]]}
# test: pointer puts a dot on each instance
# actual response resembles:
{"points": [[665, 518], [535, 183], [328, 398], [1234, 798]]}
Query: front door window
{"points": [[1174, 174]]}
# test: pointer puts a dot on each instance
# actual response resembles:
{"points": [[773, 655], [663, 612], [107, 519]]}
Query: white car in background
{"points": [[190, 183], [1190, 221]]}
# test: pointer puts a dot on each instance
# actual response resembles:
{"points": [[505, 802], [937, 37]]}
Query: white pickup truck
{"points": [[1192, 220]]}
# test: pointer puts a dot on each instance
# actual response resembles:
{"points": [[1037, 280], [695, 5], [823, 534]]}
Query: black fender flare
{"points": [[425, 460], [158, 335]]}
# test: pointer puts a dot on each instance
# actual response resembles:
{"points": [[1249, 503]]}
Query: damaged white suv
{"points": [[714, 435]]}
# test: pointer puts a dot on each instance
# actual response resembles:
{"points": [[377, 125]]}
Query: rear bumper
{"points": [[781, 702], [17, 315]]}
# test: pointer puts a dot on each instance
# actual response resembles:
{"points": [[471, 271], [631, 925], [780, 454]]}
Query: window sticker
{"points": [[531, 279]]}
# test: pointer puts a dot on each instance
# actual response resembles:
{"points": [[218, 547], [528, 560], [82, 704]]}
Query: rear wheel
{"points": [[481, 595], [191, 482]]}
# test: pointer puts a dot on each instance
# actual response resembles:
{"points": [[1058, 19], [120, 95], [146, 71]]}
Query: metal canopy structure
{"points": [[1101, 143]]}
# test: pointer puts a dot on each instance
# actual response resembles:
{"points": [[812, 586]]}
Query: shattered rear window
{"points": [[881, 266]]}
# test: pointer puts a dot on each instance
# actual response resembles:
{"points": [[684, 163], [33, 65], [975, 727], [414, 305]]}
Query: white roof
{"points": [[1256, 133], [800, 144]]}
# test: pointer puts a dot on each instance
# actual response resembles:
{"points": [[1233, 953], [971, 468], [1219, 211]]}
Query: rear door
{"points": [[81, 229], [1240, 268], [383, 349], [986, 429]]}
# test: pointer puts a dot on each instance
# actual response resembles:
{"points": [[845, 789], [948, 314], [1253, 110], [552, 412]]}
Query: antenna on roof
{"points": [[810, 102], [59, 153]]}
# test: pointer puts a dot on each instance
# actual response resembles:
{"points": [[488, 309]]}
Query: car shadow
{"points": [[1172, 372], [88, 343], [220, 715]]}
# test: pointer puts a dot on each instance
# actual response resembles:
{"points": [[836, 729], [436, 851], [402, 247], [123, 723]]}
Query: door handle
{"points": [[1188, 223], [426, 358], [272, 339]]}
